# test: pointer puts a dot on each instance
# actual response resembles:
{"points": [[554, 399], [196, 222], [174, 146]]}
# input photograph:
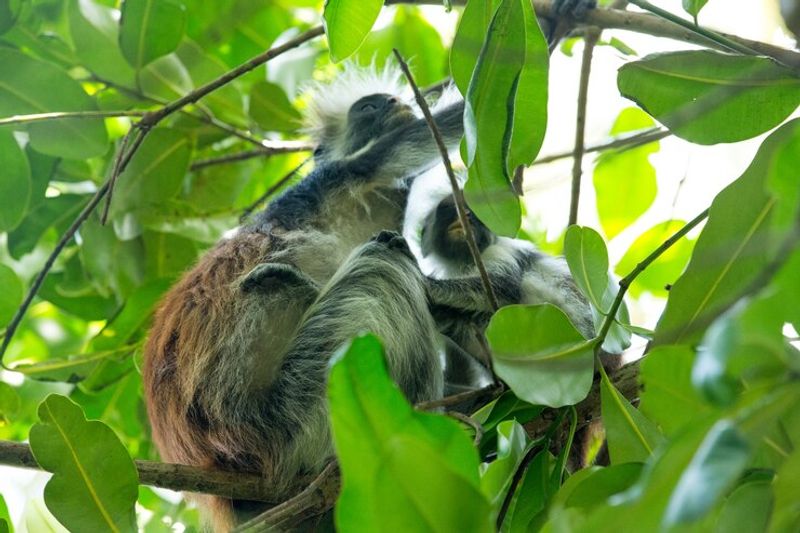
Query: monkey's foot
{"points": [[269, 277], [394, 241]]}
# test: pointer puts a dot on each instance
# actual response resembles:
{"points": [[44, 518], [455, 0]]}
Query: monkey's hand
{"points": [[394, 241], [575, 8]]}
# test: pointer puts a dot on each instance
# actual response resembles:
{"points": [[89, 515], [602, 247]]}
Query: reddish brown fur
{"points": [[197, 310]]}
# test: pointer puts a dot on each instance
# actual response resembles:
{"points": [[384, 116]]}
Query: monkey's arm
{"points": [[468, 293], [409, 149]]}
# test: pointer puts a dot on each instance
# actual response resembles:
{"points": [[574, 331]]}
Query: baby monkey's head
{"points": [[444, 236]]}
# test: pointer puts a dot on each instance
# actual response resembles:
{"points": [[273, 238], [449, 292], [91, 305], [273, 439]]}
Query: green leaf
{"points": [[720, 459], [6, 525], [587, 257], [668, 397], [54, 211], [468, 40], [709, 97], [597, 485], [166, 78], [693, 7], [666, 268], [95, 34], [381, 441], [150, 29], [347, 23], [626, 175], [739, 240], [488, 118], [167, 255], [10, 404], [786, 516], [12, 294], [71, 369], [506, 407], [155, 172], [528, 506], [29, 86], [747, 509], [496, 477], [415, 38], [631, 436], [94, 483], [551, 364], [9, 11], [15, 182], [271, 108]]}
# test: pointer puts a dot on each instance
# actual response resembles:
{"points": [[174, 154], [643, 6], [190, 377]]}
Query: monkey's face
{"points": [[444, 235], [373, 116]]}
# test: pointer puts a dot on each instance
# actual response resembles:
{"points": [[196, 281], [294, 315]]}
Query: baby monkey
{"points": [[518, 272]]}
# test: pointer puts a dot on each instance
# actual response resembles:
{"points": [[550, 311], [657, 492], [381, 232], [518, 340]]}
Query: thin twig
{"points": [[63, 115], [124, 156], [458, 194], [314, 500], [471, 422], [269, 148], [627, 141], [490, 391], [580, 123], [272, 190], [625, 282], [720, 39]]}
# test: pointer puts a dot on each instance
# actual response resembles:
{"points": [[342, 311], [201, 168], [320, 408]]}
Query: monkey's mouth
{"points": [[455, 231], [399, 115]]}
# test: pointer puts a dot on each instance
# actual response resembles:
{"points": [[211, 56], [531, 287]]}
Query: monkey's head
{"points": [[359, 104], [444, 236]]}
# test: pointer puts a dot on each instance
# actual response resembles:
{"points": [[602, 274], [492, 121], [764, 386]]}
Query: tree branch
{"points": [[650, 25], [62, 115], [458, 194], [269, 148], [627, 141]]}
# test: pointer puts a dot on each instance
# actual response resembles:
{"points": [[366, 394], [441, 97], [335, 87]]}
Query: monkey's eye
{"points": [[368, 107]]}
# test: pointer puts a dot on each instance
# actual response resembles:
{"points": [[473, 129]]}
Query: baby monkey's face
{"points": [[444, 235], [374, 116]]}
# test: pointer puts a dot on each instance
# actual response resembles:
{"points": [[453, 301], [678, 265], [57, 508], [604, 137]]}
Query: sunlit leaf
{"points": [[11, 295], [29, 86], [786, 516], [94, 483], [631, 436], [739, 240], [488, 116], [662, 272], [347, 22], [166, 78], [381, 441], [150, 29], [587, 258], [627, 175], [95, 33], [10, 404], [709, 97], [15, 182], [551, 364]]}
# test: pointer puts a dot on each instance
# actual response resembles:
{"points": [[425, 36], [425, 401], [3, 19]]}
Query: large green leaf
{"points": [[593, 486], [381, 443], [786, 516], [496, 477], [626, 175], [95, 33], [468, 40], [529, 504], [11, 294], [150, 29], [155, 172], [747, 509], [488, 120], [166, 78], [587, 259], [271, 108], [9, 9], [540, 355], [739, 240], [719, 461], [631, 436], [29, 86], [347, 22], [668, 397], [94, 483], [662, 272], [709, 97], [15, 182]]}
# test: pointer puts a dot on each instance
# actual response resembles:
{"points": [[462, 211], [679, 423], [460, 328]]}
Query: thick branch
{"points": [[167, 476]]}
